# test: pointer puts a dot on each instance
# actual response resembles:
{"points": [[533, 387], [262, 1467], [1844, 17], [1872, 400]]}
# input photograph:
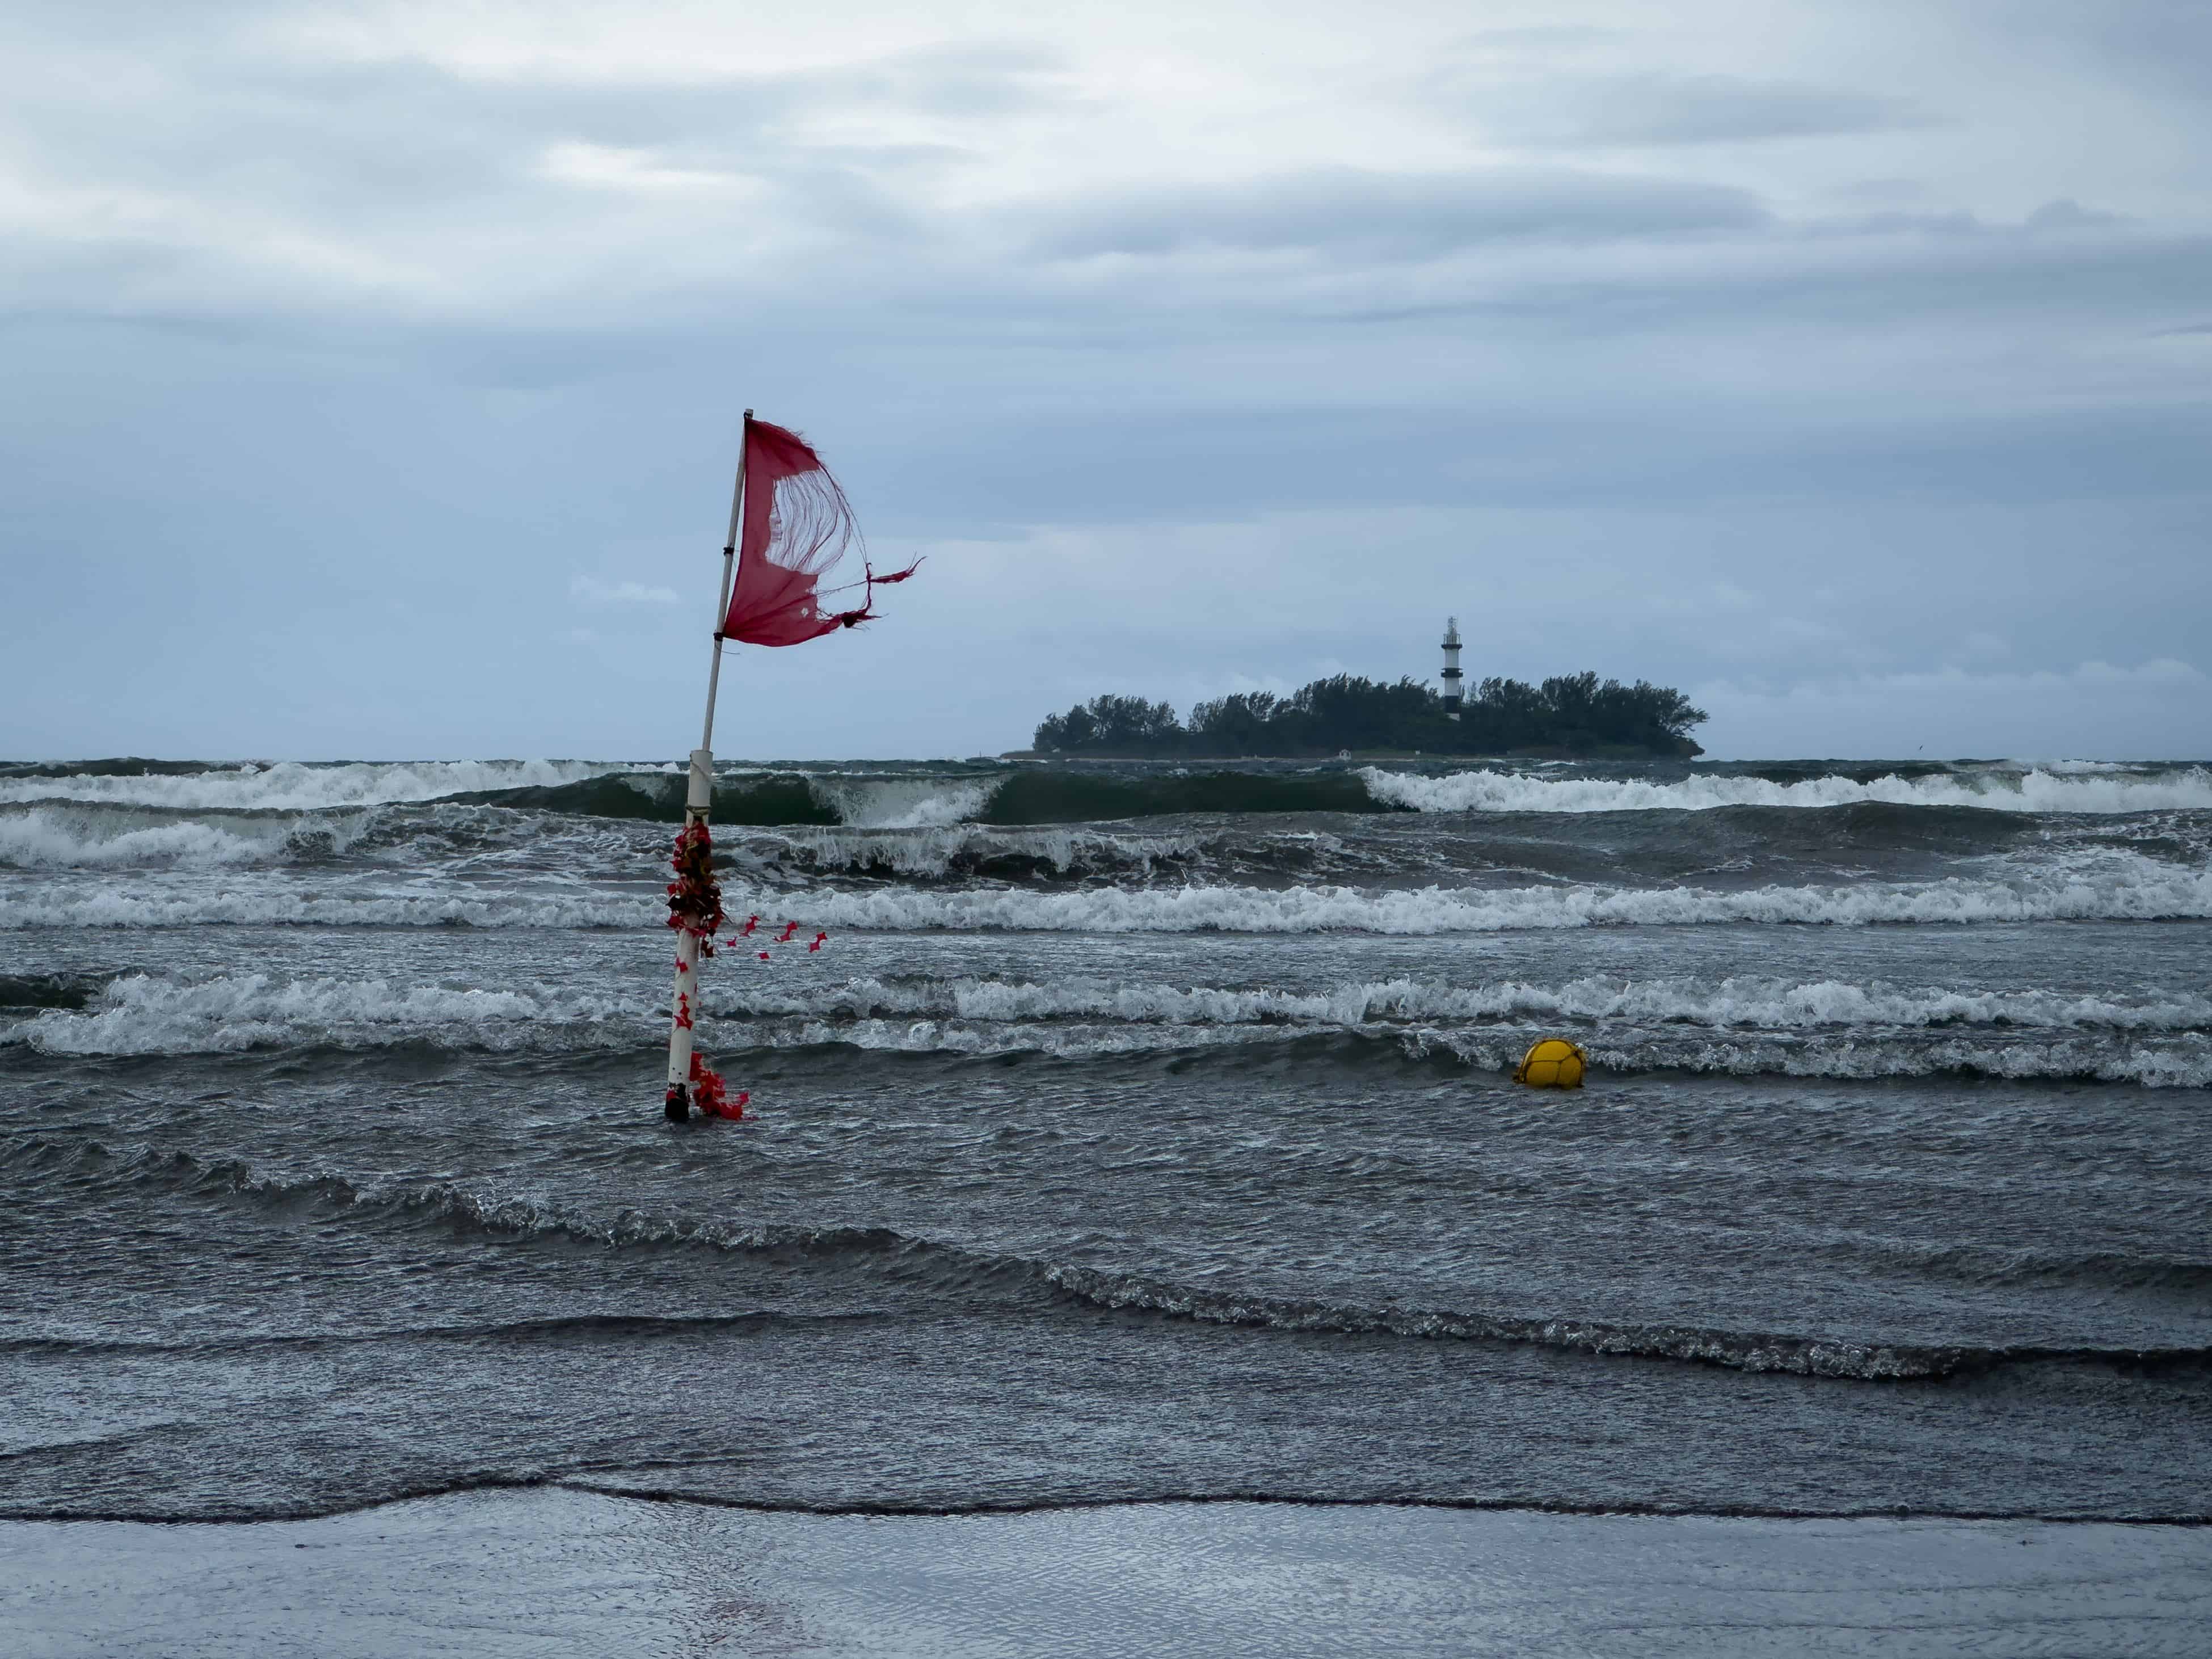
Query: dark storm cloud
{"points": [[1410, 216]]}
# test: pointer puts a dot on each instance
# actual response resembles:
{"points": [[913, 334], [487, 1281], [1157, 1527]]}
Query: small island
{"points": [[1572, 715]]}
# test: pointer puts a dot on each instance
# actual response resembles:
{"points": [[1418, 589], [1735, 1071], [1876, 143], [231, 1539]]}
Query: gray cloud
{"points": [[1537, 102], [302, 350], [1886, 192], [1404, 214], [2162, 46], [2066, 214], [363, 143], [1948, 279], [1711, 109]]}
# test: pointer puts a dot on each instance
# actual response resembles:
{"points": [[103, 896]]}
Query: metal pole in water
{"points": [[698, 802], [699, 796]]}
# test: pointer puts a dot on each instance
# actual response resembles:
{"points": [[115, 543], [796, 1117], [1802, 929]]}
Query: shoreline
{"points": [[555, 1570], [2199, 1519]]}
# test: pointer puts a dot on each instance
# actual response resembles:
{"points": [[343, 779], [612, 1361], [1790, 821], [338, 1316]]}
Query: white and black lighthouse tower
{"points": [[1452, 700]]}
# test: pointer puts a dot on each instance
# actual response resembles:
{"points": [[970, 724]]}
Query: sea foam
{"points": [[1740, 1025], [866, 802], [2141, 891], [2036, 790], [142, 1015], [291, 786], [1764, 1003], [76, 835], [2144, 895]]}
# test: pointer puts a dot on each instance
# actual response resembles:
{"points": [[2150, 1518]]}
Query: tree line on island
{"points": [[1568, 714]]}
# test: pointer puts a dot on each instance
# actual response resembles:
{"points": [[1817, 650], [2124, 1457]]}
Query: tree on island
{"points": [[1577, 713], [1122, 725]]}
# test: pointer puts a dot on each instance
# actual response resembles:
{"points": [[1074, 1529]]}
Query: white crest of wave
{"points": [[2152, 895], [2185, 1063], [118, 903], [44, 839], [139, 1015], [100, 836], [292, 786], [2141, 891], [903, 803], [1737, 1001], [932, 1036], [1826, 1028], [2036, 790]]}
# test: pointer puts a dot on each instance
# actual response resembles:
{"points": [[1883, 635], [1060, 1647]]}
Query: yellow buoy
{"points": [[1554, 1063]]}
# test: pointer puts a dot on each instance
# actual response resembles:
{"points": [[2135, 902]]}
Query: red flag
{"points": [[797, 529]]}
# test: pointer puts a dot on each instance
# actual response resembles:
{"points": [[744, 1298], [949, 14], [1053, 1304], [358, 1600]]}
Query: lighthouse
{"points": [[1451, 668]]}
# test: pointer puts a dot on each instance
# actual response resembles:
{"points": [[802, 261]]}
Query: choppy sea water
{"points": [[1140, 1133]]}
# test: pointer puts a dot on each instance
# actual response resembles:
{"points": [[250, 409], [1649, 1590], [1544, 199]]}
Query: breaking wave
{"points": [[2139, 892], [63, 837], [970, 852], [877, 800], [1739, 1026], [2182, 1061], [2036, 790], [1436, 910], [140, 1015], [903, 803], [292, 786], [115, 905], [1062, 794], [2183, 1064], [1738, 1001]]}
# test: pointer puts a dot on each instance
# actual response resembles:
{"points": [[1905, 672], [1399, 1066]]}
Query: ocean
{"points": [[1140, 1134]]}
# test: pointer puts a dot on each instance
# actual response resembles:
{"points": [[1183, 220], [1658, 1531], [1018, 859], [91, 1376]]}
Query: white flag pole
{"points": [[698, 801]]}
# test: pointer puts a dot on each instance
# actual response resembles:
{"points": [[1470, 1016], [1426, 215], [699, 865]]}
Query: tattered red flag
{"points": [[791, 528], [797, 529]]}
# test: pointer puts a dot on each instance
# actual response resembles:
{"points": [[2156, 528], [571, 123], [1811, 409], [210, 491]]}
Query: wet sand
{"points": [[555, 1571]]}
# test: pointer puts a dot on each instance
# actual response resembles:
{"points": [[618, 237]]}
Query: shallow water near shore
{"points": [[556, 1572], [1112, 1160]]}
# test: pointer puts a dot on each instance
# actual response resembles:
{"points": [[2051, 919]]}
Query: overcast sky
{"points": [[373, 371]]}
